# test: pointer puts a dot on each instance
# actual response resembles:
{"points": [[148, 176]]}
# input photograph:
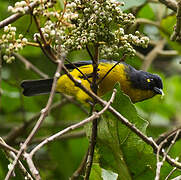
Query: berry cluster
{"points": [[93, 22], [11, 43], [43, 8], [81, 23], [19, 7]]}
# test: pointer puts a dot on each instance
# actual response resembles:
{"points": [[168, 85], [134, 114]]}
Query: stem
{"points": [[94, 88], [0, 75]]}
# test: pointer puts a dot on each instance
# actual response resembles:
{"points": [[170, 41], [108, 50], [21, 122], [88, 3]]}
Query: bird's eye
{"points": [[148, 80]]}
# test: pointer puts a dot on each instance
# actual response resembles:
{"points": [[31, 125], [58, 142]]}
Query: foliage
{"points": [[119, 152]]}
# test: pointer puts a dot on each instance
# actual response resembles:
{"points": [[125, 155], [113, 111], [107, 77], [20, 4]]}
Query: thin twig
{"points": [[121, 118], [11, 154], [44, 113], [73, 135], [83, 75], [94, 87], [148, 22], [21, 166], [40, 31], [0, 75], [176, 36], [168, 137], [177, 178], [167, 53], [171, 172], [152, 55], [90, 54], [73, 127], [16, 16], [81, 167], [122, 59], [172, 4], [29, 65], [17, 131], [73, 101], [160, 163], [7, 147]]}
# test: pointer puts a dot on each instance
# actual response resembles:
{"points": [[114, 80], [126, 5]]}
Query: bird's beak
{"points": [[159, 91]]}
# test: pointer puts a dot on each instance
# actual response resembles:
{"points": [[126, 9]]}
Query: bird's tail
{"points": [[36, 87]]}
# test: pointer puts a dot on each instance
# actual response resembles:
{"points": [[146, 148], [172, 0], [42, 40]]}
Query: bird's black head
{"points": [[145, 81]]}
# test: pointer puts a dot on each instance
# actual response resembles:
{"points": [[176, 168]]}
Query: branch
{"points": [[73, 135], [44, 113], [121, 118], [152, 55], [159, 164], [73, 101], [140, 55], [122, 59], [6, 147], [16, 16], [17, 131], [0, 74], [162, 53], [168, 136], [94, 87], [171, 172], [59, 134], [81, 167], [149, 22], [176, 36], [29, 65], [95, 115], [172, 4], [166, 53], [11, 154]]}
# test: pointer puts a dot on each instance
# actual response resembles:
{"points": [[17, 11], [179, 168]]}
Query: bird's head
{"points": [[149, 84], [147, 81]]}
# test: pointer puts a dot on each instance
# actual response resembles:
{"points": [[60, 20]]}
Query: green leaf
{"points": [[119, 149], [10, 97], [146, 12], [130, 3], [168, 23], [99, 173], [95, 172], [109, 175]]}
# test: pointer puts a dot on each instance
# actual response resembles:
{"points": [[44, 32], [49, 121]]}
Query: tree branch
{"points": [[172, 4], [75, 126], [11, 154], [29, 65], [152, 55], [0, 75], [160, 163], [176, 36], [17, 131], [121, 118], [16, 16], [81, 167], [94, 87], [7, 147], [44, 113]]}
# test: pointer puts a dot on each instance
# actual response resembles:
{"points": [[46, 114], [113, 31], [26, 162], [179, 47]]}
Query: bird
{"points": [[137, 84]]}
